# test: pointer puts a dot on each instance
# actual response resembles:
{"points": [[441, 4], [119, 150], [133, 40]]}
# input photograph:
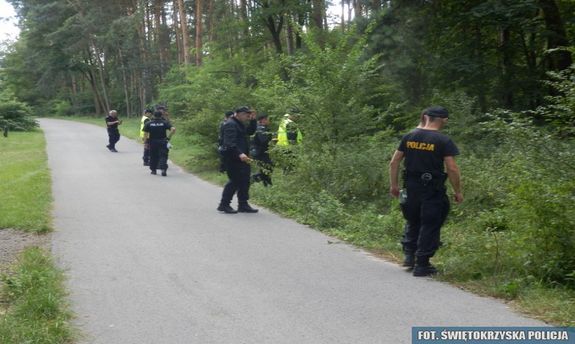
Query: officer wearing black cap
{"points": [[235, 149], [156, 133], [424, 203]]}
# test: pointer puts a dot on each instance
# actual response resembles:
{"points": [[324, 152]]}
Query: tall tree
{"points": [[185, 32], [199, 32], [556, 36]]}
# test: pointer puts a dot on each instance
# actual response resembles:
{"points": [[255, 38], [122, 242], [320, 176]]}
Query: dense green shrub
{"points": [[16, 115], [518, 220]]}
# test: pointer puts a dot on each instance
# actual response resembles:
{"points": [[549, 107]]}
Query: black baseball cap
{"points": [[228, 113], [261, 115], [244, 109], [148, 111], [436, 111]]}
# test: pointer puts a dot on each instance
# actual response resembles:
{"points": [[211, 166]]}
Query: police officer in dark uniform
{"points": [[423, 200], [259, 150], [227, 116], [157, 137], [235, 149], [112, 123], [148, 113]]}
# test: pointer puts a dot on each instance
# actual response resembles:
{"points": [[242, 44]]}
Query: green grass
{"points": [[25, 186], [37, 311], [33, 307]]}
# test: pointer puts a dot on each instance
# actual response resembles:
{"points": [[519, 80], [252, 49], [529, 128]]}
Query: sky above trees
{"points": [[8, 28]]}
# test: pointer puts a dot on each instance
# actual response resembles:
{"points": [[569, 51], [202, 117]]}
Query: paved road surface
{"points": [[150, 260]]}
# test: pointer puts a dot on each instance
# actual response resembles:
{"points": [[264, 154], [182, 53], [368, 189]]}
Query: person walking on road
{"points": [[112, 122], [158, 132], [423, 201], [259, 150], [235, 149], [146, 117]]}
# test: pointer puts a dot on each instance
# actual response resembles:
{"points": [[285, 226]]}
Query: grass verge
{"points": [[37, 310], [25, 186], [32, 298]]}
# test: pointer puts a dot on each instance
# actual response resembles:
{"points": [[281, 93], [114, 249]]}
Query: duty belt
{"points": [[425, 178]]}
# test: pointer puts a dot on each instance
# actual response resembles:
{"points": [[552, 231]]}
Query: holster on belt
{"points": [[425, 178]]}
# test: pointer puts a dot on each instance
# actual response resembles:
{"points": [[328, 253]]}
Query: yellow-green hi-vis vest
{"points": [[282, 133], [142, 122]]}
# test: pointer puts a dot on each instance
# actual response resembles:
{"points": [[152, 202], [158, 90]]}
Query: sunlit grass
{"points": [[37, 310], [24, 182]]}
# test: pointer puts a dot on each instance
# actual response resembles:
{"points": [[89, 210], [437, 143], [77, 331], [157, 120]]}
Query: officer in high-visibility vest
{"points": [[145, 119], [289, 136], [288, 131]]}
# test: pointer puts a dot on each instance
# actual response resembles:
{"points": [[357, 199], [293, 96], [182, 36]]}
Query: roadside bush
{"points": [[518, 221], [61, 107], [16, 116]]}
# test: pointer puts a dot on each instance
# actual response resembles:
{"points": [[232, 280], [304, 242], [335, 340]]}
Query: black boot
{"points": [[226, 208], [423, 267], [153, 172], [246, 208], [164, 173], [409, 261]]}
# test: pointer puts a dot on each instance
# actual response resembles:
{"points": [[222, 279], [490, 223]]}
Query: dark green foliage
{"points": [[518, 219], [560, 113], [16, 115]]}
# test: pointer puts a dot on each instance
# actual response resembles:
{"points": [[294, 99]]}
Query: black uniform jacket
{"points": [[261, 142], [235, 138]]}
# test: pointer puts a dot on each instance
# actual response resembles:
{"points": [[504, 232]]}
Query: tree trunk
{"points": [[210, 21], [142, 86], [358, 8], [125, 83], [199, 33], [506, 67], [342, 15], [557, 36], [301, 22], [275, 30], [98, 106], [289, 35], [158, 35], [318, 10], [100, 64], [177, 32], [244, 17], [375, 5], [185, 32]]}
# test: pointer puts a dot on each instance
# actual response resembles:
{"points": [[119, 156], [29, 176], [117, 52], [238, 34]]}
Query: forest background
{"points": [[503, 68]]}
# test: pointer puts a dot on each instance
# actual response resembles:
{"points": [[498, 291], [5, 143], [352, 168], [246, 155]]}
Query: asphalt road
{"points": [[150, 260]]}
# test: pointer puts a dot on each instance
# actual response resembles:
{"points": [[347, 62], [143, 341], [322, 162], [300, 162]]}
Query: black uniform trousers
{"points": [[425, 211], [113, 138], [158, 154], [146, 156], [266, 168], [239, 181]]}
